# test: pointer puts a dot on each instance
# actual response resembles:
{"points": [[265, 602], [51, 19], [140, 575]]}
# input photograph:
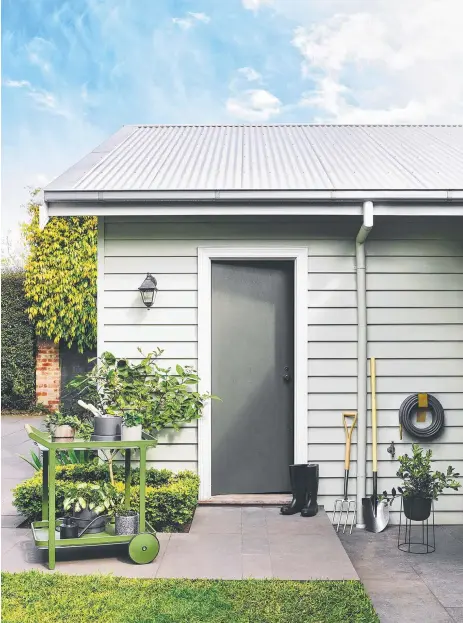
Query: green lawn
{"points": [[34, 597]]}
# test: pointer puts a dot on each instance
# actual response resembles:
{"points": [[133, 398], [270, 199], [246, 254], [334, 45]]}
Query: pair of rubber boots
{"points": [[304, 485]]}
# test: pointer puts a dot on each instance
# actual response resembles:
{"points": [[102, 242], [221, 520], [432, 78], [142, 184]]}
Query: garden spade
{"points": [[375, 513]]}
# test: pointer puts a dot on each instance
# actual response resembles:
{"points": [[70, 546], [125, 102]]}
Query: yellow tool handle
{"points": [[373, 413], [349, 431]]}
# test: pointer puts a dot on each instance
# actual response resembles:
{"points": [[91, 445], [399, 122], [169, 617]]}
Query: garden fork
{"points": [[344, 506]]}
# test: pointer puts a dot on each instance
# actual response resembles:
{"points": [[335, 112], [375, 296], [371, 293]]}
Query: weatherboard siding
{"points": [[415, 328], [415, 331], [169, 250]]}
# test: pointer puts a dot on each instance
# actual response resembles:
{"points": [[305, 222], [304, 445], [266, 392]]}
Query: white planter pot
{"points": [[63, 433], [131, 433]]}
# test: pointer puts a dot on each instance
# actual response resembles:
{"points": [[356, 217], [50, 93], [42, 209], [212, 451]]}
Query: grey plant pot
{"points": [[126, 524], [85, 516], [108, 427]]}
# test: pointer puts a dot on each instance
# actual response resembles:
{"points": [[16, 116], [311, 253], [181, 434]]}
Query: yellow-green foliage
{"points": [[60, 280]]}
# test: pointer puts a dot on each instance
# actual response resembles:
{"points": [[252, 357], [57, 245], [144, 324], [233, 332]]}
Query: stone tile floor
{"points": [[408, 587], [236, 542], [229, 542]]}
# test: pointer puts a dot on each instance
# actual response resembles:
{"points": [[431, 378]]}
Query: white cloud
{"points": [[187, 22], [385, 62], [254, 5], [254, 105], [43, 99], [17, 84], [201, 17], [40, 52], [250, 74]]}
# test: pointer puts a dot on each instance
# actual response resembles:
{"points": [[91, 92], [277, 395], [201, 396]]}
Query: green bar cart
{"points": [[143, 547]]}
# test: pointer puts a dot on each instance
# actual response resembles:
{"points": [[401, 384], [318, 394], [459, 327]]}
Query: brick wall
{"points": [[47, 375]]}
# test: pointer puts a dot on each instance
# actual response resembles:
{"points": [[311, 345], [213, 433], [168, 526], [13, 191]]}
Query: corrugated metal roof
{"points": [[272, 157]]}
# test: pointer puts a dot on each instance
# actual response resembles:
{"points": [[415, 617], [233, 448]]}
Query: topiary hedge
{"points": [[170, 498], [18, 345]]}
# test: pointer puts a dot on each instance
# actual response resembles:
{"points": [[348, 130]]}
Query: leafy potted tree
{"points": [[89, 501], [421, 485], [142, 395]]}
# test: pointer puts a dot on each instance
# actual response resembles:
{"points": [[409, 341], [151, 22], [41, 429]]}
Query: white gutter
{"points": [[54, 194], [362, 357]]}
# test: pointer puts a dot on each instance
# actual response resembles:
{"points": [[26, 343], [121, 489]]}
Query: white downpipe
{"points": [[362, 357]]}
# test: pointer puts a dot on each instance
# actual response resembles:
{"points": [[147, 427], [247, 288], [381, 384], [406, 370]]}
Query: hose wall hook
{"points": [[391, 450]]}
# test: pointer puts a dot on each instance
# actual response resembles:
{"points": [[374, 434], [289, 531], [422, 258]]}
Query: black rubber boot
{"points": [[311, 507], [298, 477]]}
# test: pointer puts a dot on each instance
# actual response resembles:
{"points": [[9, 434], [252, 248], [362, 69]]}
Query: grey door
{"points": [[252, 353]]}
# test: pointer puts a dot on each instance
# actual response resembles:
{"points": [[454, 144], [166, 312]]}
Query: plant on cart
{"points": [[421, 485], [126, 519], [99, 498], [143, 392], [91, 504]]}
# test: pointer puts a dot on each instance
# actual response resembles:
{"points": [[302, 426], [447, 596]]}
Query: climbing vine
{"points": [[60, 283]]}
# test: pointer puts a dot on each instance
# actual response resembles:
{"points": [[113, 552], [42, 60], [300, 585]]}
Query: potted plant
{"points": [[87, 501], [126, 520], [140, 394], [62, 426], [421, 485], [131, 426]]}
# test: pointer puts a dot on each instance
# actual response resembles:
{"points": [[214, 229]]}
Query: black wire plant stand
{"points": [[414, 538]]}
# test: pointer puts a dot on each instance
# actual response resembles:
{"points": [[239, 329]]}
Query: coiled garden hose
{"points": [[410, 407]]}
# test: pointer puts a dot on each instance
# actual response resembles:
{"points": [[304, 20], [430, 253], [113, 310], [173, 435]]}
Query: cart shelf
{"points": [[143, 547], [40, 532]]}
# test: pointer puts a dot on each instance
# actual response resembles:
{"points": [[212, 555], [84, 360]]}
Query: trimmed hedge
{"points": [[18, 345], [170, 498]]}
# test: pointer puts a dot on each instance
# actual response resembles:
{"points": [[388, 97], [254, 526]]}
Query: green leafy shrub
{"points": [[18, 345], [170, 498]]}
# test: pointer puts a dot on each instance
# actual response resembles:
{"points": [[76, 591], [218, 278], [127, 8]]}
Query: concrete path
{"points": [[406, 587], [228, 542]]}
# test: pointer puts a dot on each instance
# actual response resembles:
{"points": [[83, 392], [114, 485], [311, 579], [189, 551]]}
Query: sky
{"points": [[75, 71]]}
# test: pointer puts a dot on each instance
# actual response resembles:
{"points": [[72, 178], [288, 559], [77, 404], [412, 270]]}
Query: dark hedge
{"points": [[18, 346]]}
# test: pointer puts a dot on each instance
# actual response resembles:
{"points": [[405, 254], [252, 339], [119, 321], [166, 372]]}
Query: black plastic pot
{"points": [[417, 509], [85, 516], [108, 427], [126, 524]]}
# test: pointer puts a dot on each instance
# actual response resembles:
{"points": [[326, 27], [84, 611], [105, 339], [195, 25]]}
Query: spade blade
{"points": [[375, 521]]}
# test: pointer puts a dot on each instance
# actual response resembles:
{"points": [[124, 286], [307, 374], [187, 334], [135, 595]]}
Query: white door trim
{"points": [[205, 257]]}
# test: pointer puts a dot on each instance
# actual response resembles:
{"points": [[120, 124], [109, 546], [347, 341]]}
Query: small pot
{"points": [[85, 516], [417, 509], [63, 433], [126, 524], [131, 433], [109, 427]]}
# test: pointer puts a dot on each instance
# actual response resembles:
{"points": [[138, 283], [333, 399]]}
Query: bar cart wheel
{"points": [[143, 548]]}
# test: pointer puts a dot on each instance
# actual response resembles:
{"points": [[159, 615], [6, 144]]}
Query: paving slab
{"points": [[456, 614], [406, 600], [410, 587]]}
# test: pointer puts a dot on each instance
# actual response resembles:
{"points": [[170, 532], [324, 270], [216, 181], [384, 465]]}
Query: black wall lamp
{"points": [[148, 290]]}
